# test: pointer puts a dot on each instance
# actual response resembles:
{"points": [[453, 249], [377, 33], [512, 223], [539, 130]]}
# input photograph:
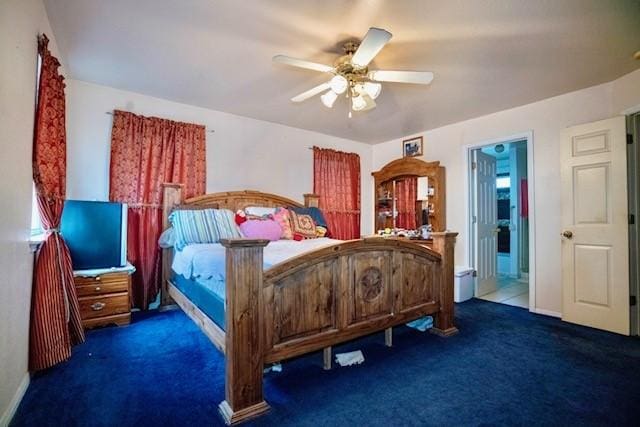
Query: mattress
{"points": [[198, 270]]}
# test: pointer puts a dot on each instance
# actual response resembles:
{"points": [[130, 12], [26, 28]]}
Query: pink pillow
{"points": [[282, 217], [261, 229]]}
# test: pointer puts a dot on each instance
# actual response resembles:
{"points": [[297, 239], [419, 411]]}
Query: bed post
{"points": [[171, 197], [444, 243], [244, 346], [311, 200]]}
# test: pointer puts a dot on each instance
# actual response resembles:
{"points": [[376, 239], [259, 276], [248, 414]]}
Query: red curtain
{"points": [[406, 195], [55, 314], [336, 179], [524, 198], [146, 152]]}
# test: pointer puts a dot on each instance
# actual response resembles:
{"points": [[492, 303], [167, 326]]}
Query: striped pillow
{"points": [[203, 226]]}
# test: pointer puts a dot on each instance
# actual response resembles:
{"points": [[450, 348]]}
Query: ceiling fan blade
{"points": [[373, 42], [301, 63], [416, 77], [311, 92]]}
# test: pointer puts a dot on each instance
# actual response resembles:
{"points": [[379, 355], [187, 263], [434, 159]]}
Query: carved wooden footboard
{"points": [[323, 298], [320, 299]]}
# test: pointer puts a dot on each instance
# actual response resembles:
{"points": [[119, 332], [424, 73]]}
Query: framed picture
{"points": [[412, 147]]}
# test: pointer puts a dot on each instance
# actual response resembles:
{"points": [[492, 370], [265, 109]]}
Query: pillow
{"points": [[261, 229], [167, 238], [203, 226], [315, 213], [321, 231], [303, 225], [259, 210], [283, 218]]}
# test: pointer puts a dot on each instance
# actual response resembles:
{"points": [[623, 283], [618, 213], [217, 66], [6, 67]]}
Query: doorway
{"points": [[499, 220]]}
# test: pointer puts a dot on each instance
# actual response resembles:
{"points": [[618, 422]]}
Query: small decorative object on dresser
{"points": [[104, 295], [412, 147]]}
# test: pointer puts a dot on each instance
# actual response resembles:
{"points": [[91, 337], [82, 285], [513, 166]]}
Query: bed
{"points": [[273, 304]]}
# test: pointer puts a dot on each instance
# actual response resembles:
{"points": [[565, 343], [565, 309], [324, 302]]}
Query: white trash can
{"points": [[462, 283]]}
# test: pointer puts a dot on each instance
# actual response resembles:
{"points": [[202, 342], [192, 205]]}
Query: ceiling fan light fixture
{"points": [[338, 84], [372, 89], [362, 102], [329, 98], [358, 103]]}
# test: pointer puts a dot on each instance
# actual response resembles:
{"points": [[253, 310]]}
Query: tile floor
{"points": [[510, 291]]}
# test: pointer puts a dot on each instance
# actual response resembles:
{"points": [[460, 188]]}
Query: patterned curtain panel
{"points": [[146, 152], [336, 179], [55, 314], [406, 195]]}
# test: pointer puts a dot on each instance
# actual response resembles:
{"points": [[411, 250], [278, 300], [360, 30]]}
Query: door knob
{"points": [[568, 234]]}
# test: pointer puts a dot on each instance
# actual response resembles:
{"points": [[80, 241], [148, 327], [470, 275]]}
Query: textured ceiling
{"points": [[486, 55]]}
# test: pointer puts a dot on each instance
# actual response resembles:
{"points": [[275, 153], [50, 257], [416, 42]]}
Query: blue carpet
{"points": [[506, 367]]}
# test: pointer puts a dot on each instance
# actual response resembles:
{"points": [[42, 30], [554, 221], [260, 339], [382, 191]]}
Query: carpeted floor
{"points": [[506, 367]]}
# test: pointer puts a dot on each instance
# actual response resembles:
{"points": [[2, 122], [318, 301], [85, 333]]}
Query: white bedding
{"points": [[207, 261]]}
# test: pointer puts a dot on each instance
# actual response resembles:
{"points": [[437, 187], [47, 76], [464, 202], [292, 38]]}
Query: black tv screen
{"points": [[96, 233]]}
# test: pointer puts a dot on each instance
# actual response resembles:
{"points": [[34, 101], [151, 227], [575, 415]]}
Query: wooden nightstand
{"points": [[104, 297]]}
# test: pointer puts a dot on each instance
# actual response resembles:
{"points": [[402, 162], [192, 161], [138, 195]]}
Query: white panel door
{"points": [[595, 250], [486, 222]]}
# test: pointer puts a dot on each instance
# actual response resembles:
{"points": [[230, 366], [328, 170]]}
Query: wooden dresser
{"points": [[105, 299]]}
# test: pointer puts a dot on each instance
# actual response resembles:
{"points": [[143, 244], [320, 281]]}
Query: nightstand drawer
{"points": [[101, 289], [103, 278], [106, 305]]}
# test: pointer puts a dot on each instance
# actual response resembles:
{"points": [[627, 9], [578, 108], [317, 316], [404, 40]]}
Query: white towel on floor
{"points": [[350, 358]]}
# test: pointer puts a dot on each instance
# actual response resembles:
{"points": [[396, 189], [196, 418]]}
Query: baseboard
{"points": [[15, 401], [546, 312]]}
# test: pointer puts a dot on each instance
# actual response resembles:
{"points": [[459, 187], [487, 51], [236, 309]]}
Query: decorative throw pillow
{"points": [[321, 231], [315, 213], [303, 225], [203, 226], [261, 229], [283, 218]]}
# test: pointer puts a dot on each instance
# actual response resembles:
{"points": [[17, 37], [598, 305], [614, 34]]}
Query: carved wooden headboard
{"points": [[232, 200]]}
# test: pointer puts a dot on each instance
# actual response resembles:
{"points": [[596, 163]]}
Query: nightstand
{"points": [[104, 296]]}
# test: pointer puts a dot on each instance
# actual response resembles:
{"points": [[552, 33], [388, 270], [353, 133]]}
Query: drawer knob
{"points": [[97, 278], [98, 306], [98, 288]]}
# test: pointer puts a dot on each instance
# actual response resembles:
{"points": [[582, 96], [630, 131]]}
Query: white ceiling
{"points": [[486, 55]]}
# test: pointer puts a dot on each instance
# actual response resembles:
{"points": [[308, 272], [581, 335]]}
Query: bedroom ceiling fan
{"points": [[351, 75]]}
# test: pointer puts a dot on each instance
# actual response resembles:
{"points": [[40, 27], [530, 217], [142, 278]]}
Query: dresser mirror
{"points": [[410, 194]]}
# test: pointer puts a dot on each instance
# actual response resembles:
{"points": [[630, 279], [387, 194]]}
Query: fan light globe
{"points": [[329, 98], [358, 103], [338, 84], [373, 89]]}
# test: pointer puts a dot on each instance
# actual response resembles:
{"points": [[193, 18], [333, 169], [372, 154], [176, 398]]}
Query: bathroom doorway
{"points": [[499, 222]]}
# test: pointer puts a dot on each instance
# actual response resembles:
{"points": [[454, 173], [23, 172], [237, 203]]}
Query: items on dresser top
{"points": [[104, 295]]}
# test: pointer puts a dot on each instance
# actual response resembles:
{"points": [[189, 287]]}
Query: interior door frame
{"points": [[470, 244]]}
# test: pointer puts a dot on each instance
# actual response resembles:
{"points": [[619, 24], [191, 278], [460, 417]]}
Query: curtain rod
{"points": [[207, 130]]}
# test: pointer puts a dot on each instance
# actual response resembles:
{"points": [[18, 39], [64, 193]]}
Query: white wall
{"points": [[242, 153], [546, 119], [20, 23]]}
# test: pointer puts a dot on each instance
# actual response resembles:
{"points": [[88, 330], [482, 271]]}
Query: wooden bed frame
{"points": [[313, 301]]}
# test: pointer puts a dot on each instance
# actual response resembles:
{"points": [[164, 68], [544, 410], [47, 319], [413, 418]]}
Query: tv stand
{"points": [[104, 296]]}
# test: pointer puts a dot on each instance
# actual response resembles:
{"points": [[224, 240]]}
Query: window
{"points": [[36, 224], [503, 182]]}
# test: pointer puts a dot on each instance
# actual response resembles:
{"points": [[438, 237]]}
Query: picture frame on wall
{"points": [[412, 147]]}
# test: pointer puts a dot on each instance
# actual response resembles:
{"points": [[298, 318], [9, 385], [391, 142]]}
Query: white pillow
{"points": [[167, 238], [259, 211]]}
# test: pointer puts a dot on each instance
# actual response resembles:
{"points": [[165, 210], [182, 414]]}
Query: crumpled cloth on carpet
{"points": [[422, 324], [350, 358]]}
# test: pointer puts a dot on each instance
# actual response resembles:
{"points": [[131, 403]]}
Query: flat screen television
{"points": [[96, 233]]}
